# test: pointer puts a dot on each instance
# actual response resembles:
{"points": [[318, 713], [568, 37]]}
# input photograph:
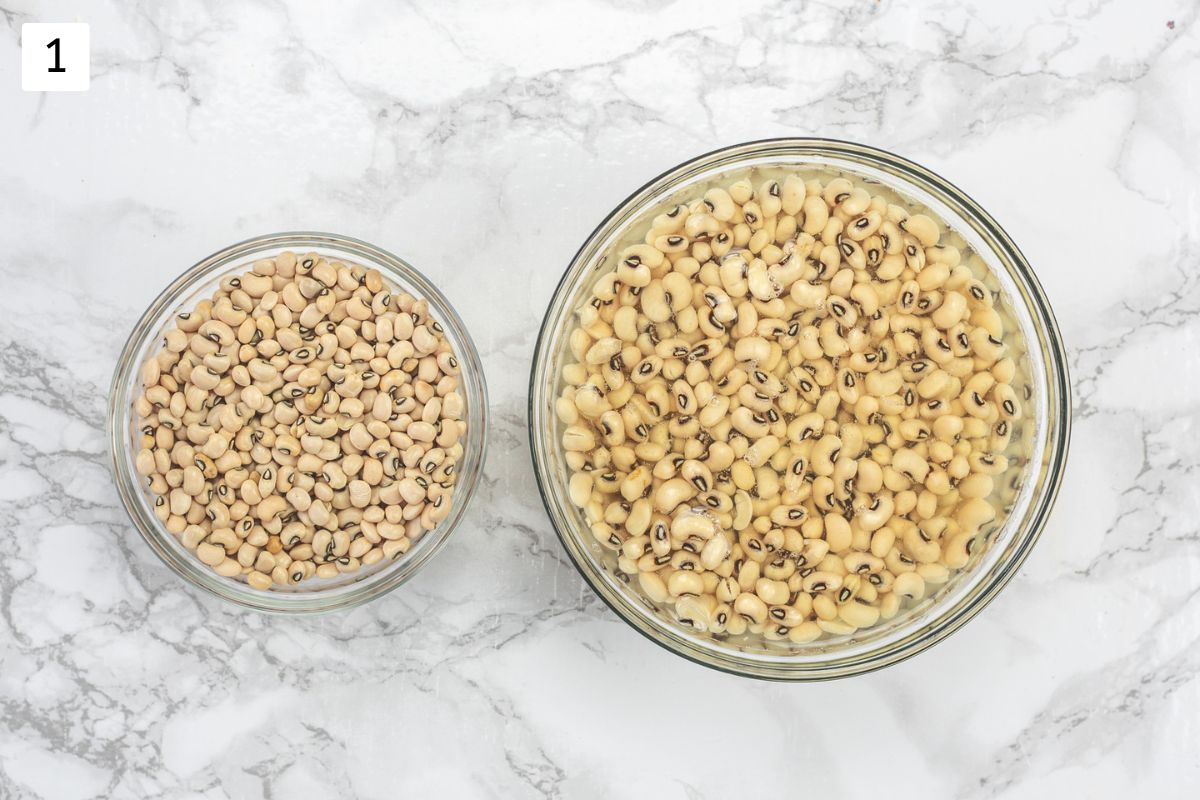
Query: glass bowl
{"points": [[1037, 453], [313, 595]]}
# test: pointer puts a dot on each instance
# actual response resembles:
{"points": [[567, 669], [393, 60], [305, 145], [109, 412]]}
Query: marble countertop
{"points": [[483, 142]]}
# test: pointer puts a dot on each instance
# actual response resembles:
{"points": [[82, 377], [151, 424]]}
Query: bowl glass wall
{"points": [[1024, 493], [199, 282]]}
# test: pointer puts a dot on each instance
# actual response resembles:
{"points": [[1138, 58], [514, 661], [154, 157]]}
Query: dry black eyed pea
{"points": [[284, 411], [839, 373]]}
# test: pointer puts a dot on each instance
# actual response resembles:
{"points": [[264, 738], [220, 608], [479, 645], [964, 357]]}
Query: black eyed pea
{"points": [[875, 514], [824, 607], [772, 592], [671, 494], [636, 546], [780, 568], [608, 481], [632, 272], [889, 605], [987, 463], [751, 608], [742, 509], [638, 520], [792, 195], [741, 192], [210, 554], [762, 450], [805, 632], [788, 515], [820, 581], [935, 574], [692, 523], [577, 438], [635, 483], [606, 535], [192, 480], [815, 551], [736, 625], [974, 514], [909, 463], [270, 507], [247, 554], [882, 542], [653, 586], [1006, 400], [924, 229], [936, 383], [976, 486], [722, 614], [715, 502], [603, 350], [785, 616], [752, 349], [858, 615], [727, 589], [720, 204], [773, 631], [835, 627], [696, 610], [180, 502], [824, 453], [714, 552], [958, 550], [422, 432], [697, 474], [685, 582], [952, 310], [579, 489], [743, 475], [909, 586], [192, 536], [749, 424], [918, 547], [750, 571]]}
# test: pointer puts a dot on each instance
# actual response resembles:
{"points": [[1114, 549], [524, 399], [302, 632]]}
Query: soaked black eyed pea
{"points": [[853, 355]]}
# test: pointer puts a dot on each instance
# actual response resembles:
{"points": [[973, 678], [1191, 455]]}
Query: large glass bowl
{"points": [[314, 595], [1037, 453]]}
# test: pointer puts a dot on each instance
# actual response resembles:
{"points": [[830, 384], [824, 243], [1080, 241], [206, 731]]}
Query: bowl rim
{"points": [[1057, 439], [125, 383]]}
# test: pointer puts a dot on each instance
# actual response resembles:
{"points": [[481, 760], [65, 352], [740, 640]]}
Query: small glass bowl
{"points": [[313, 595], [1037, 454]]}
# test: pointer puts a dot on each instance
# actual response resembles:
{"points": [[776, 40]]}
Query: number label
{"points": [[58, 67]]}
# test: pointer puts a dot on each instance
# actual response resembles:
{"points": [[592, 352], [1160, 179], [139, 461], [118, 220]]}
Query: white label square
{"points": [[56, 56]]}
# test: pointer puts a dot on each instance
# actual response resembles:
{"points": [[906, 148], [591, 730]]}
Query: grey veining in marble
{"points": [[483, 142]]}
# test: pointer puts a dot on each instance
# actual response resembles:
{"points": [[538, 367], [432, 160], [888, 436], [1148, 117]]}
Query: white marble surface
{"points": [[483, 142]]}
